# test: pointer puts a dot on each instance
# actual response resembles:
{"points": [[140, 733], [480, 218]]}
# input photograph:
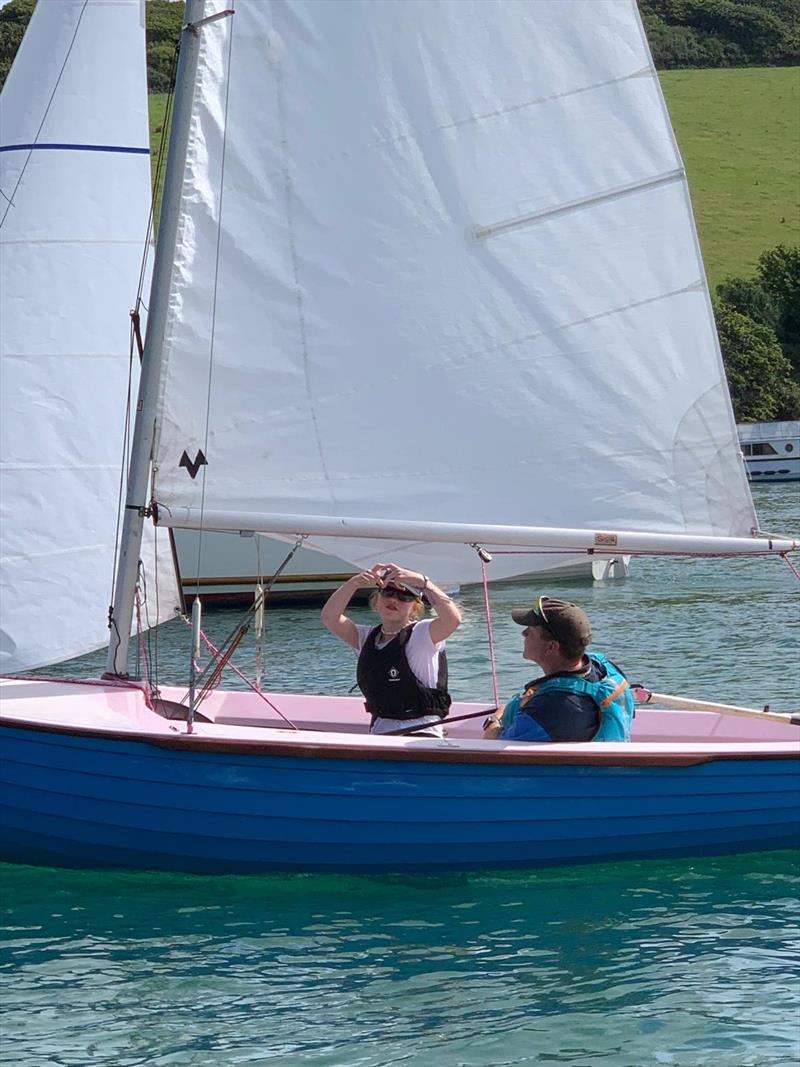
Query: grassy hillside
{"points": [[739, 134]]}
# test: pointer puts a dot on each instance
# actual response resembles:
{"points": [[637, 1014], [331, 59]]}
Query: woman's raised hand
{"points": [[365, 579], [386, 573]]}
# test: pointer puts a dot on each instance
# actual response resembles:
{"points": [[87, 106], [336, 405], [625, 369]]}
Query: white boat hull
{"points": [[771, 450], [232, 564]]}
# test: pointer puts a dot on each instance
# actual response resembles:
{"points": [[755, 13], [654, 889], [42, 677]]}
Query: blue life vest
{"points": [[612, 694]]}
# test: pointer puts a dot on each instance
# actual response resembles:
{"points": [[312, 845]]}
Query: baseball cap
{"points": [[565, 621]]}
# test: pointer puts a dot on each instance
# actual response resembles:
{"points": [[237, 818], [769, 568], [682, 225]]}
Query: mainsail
{"points": [[437, 262], [75, 181]]}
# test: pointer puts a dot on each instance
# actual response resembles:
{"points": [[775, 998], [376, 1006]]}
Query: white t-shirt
{"points": [[423, 659]]}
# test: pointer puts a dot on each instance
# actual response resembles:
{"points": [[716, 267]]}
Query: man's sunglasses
{"points": [[397, 594], [541, 615]]}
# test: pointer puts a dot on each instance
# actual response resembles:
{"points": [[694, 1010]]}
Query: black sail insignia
{"points": [[193, 465]]}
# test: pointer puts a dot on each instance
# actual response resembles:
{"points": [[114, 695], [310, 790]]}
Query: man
{"points": [[580, 697]]}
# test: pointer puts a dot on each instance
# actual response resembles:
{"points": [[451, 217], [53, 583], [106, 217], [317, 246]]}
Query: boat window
{"points": [[747, 450], [789, 447], [764, 448]]}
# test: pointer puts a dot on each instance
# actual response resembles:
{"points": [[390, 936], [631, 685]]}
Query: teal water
{"points": [[685, 963]]}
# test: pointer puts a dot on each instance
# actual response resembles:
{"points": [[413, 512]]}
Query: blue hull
{"points": [[93, 801]]}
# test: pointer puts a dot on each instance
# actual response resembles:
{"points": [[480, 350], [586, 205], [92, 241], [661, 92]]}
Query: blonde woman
{"points": [[402, 665]]}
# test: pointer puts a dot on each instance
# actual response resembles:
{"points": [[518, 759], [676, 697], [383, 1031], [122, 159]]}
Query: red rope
{"points": [[489, 630], [791, 565]]}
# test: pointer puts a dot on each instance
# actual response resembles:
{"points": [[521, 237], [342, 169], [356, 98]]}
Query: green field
{"points": [[739, 134]]}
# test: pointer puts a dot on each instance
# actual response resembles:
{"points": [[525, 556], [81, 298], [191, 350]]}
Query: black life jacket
{"points": [[391, 689]]}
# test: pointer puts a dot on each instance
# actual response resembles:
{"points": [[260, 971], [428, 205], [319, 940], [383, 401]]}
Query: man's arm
{"points": [[525, 728]]}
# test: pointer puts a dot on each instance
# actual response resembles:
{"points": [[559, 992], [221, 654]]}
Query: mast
{"points": [[136, 500]]}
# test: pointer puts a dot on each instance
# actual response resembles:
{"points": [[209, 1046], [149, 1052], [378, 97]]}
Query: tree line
{"points": [[163, 28], [722, 33], [758, 322], [681, 33]]}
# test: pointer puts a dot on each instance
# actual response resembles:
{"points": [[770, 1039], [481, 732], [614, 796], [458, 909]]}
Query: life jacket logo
{"points": [[394, 674]]}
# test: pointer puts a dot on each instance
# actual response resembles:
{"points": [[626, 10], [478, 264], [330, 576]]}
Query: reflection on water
{"points": [[687, 963]]}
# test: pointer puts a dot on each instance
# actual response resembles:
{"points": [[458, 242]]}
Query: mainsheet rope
{"points": [[605, 554], [485, 558]]}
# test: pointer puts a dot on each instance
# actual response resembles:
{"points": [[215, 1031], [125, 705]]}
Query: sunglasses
{"points": [[540, 610], [397, 594], [541, 615]]}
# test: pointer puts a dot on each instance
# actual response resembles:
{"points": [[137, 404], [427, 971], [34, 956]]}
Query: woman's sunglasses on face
{"points": [[397, 594]]}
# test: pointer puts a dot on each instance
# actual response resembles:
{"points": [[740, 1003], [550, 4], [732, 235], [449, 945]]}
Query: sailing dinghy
{"points": [[468, 223]]}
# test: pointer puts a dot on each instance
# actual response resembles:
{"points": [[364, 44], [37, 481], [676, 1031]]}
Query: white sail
{"points": [[75, 182], [437, 262]]}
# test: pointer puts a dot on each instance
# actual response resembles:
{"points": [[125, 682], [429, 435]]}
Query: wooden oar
{"points": [[647, 696]]}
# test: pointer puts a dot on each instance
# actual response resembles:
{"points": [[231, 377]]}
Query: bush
{"points": [[779, 276], [749, 297], [13, 20], [164, 21], [722, 33], [759, 375], [163, 29]]}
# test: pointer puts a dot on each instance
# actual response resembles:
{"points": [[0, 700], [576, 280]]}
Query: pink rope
{"points": [[142, 645], [246, 680], [106, 682], [601, 552], [791, 566], [489, 630]]}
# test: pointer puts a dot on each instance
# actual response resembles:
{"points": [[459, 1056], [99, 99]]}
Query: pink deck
{"points": [[243, 715]]}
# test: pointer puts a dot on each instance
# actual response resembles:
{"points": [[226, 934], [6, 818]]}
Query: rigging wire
{"points": [[135, 342], [236, 635], [612, 554], [214, 300], [215, 651]]}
